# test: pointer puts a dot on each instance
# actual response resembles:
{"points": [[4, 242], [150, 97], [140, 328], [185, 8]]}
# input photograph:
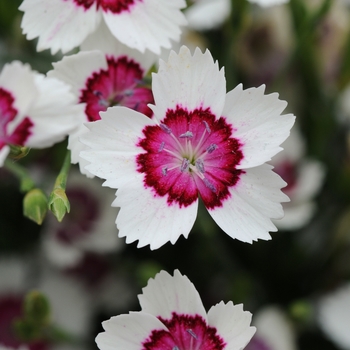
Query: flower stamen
{"points": [[185, 165]]}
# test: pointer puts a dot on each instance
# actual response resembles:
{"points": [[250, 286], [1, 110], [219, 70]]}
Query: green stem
{"points": [[61, 180], [26, 182]]}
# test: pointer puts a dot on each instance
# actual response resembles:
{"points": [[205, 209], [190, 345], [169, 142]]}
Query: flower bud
{"points": [[35, 205], [37, 308], [18, 152], [59, 203]]}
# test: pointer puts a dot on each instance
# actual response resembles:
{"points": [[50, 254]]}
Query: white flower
{"points": [[35, 111], [100, 79], [333, 316], [304, 177], [274, 331], [172, 317], [140, 24], [201, 141], [88, 227]]}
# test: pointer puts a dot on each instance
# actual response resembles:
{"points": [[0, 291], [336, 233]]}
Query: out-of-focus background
{"points": [[297, 285]]}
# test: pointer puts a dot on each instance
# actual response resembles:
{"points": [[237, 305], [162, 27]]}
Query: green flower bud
{"points": [[35, 205], [59, 203], [37, 308]]}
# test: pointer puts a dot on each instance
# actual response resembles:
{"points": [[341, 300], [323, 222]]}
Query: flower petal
{"points": [[54, 114], [166, 294], [189, 82], [258, 123], [207, 14], [59, 25], [127, 331], [148, 24], [112, 145], [254, 200], [76, 69], [103, 40], [232, 324], [148, 218]]}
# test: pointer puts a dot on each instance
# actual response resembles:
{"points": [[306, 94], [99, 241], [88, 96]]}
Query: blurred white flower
{"points": [[89, 227], [35, 111], [304, 179], [274, 331], [333, 316]]}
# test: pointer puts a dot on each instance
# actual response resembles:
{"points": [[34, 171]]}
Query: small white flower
{"points": [[200, 142], [141, 24], [35, 111], [173, 317]]}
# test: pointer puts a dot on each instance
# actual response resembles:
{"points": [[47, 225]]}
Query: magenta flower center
{"points": [[118, 85], [18, 135], [114, 6], [185, 332], [188, 154]]}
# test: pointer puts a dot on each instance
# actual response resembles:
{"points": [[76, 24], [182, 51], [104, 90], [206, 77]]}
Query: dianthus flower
{"points": [[141, 24], [201, 142], [100, 79], [35, 111], [173, 317]]}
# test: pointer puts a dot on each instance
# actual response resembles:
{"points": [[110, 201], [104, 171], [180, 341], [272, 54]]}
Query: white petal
{"points": [[166, 294], [254, 200], [334, 317], [18, 79], [296, 215], [257, 123], [207, 14], [60, 254], [190, 82], [70, 303], [127, 331], [12, 275], [76, 69], [103, 40], [112, 144], [148, 218], [310, 179], [59, 25], [275, 329], [148, 24], [54, 113], [4, 152], [232, 324], [266, 3]]}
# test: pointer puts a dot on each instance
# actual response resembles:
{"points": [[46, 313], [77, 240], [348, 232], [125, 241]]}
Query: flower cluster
{"points": [[132, 101]]}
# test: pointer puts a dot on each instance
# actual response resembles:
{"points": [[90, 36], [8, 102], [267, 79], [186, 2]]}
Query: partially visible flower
{"points": [[274, 331], [207, 14], [140, 24], [102, 79], [304, 177], [172, 316], [35, 111], [88, 227], [70, 308], [265, 45], [333, 315], [266, 3], [200, 142]]}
